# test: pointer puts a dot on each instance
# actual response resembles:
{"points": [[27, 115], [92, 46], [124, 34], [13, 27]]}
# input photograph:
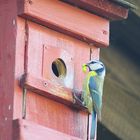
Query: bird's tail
{"points": [[93, 126]]}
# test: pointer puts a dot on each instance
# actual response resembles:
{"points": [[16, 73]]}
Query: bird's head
{"points": [[95, 65]]}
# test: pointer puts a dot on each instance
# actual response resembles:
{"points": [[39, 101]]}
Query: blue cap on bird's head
{"points": [[95, 65]]}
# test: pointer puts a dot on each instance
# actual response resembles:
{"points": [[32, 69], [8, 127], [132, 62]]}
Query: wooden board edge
{"points": [[50, 90], [27, 130], [106, 9]]}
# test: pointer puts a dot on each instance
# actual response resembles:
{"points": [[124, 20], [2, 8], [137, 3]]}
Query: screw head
{"points": [[45, 84]]}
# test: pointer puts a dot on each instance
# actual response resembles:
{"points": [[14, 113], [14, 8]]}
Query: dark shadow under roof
{"points": [[121, 113]]}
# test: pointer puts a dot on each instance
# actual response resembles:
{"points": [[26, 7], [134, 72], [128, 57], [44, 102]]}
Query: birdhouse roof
{"points": [[110, 9], [124, 3]]}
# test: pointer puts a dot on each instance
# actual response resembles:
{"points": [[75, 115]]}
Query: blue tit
{"points": [[93, 91]]}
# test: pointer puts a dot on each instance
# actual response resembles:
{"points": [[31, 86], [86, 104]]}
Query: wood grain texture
{"points": [[56, 115], [48, 89], [67, 19], [51, 90], [104, 8], [26, 130], [7, 65], [19, 67]]}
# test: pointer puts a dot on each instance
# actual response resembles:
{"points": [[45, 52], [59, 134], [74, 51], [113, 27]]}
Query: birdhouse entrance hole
{"points": [[59, 68]]}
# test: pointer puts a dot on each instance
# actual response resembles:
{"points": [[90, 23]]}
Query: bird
{"points": [[92, 92]]}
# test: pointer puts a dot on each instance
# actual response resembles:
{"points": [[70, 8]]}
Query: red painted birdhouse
{"points": [[43, 44]]}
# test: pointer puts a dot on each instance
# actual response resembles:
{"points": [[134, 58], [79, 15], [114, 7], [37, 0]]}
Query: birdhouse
{"points": [[43, 44]]}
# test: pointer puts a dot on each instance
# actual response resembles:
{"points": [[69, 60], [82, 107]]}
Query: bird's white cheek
{"points": [[96, 67]]}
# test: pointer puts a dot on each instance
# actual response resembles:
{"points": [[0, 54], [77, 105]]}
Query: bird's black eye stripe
{"points": [[92, 62]]}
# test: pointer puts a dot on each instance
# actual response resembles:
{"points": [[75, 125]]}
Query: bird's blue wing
{"points": [[92, 83], [96, 97]]}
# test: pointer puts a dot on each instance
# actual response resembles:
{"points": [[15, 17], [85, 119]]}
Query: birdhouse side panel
{"points": [[7, 65]]}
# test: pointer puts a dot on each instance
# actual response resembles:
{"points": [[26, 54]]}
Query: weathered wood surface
{"points": [[7, 65], [26, 130], [67, 19], [19, 67], [55, 115], [51, 90], [47, 88], [104, 8]]}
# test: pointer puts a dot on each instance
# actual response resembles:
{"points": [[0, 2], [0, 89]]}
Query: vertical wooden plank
{"points": [[19, 67], [7, 65], [94, 53], [56, 116]]}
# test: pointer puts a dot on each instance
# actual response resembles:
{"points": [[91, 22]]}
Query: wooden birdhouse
{"points": [[43, 44]]}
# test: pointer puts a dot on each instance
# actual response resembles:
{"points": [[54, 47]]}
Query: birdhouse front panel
{"points": [[53, 68], [54, 63], [58, 40]]}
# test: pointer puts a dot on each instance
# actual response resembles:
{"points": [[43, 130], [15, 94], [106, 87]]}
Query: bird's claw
{"points": [[77, 97]]}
